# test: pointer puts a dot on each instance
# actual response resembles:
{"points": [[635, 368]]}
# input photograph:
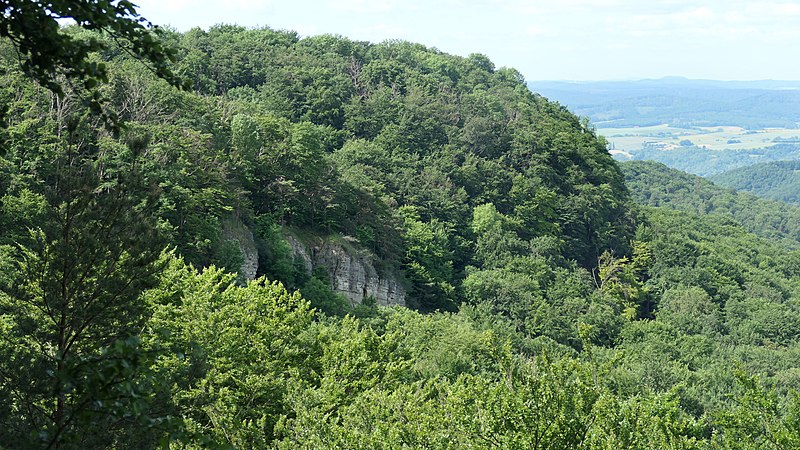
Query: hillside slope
{"points": [[775, 180], [392, 145], [655, 184], [545, 309]]}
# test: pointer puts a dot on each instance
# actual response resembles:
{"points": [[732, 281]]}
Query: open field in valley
{"points": [[632, 139]]}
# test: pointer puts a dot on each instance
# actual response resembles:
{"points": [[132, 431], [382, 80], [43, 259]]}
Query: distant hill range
{"points": [[712, 163], [679, 102]]}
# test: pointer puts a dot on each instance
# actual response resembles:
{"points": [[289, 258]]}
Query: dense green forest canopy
{"points": [[547, 310], [655, 184], [49, 53], [777, 180]]}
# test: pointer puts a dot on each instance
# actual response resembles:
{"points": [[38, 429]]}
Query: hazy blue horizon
{"points": [[670, 78]]}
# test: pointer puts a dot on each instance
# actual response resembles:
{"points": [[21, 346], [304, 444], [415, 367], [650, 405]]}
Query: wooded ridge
{"points": [[545, 307]]}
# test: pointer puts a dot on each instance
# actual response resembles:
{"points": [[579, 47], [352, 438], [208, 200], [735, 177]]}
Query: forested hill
{"points": [[545, 308], [777, 180], [393, 145], [655, 184]]}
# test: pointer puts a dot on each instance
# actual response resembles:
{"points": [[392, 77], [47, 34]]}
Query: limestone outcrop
{"points": [[351, 271], [234, 230]]}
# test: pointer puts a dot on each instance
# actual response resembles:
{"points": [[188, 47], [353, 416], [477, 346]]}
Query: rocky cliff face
{"points": [[352, 273], [234, 229]]}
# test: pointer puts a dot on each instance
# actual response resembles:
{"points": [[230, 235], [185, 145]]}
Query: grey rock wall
{"points": [[234, 229], [299, 251], [352, 273]]}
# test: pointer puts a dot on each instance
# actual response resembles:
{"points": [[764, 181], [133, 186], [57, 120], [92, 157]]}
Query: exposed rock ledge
{"points": [[351, 272], [234, 230]]}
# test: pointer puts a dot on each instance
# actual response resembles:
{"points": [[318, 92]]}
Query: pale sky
{"points": [[544, 40]]}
